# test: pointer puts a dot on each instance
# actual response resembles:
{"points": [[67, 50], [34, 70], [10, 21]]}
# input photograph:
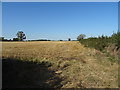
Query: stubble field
{"points": [[56, 64]]}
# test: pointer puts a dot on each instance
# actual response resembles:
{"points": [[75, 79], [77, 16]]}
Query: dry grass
{"points": [[76, 65]]}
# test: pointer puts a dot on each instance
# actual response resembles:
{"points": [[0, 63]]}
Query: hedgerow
{"points": [[101, 42]]}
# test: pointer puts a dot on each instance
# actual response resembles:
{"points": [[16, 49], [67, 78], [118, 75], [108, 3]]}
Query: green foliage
{"points": [[69, 39], [101, 42], [21, 35], [81, 36], [15, 39], [115, 38], [1, 38]]}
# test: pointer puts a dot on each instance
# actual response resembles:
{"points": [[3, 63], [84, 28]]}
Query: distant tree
{"points": [[60, 40], [1, 38], [21, 36], [69, 39], [15, 39], [81, 36]]}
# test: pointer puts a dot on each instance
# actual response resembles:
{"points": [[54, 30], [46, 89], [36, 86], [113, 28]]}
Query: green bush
{"points": [[115, 38], [101, 42]]}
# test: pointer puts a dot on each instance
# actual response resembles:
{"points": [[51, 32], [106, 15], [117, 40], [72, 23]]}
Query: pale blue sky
{"points": [[60, 20]]}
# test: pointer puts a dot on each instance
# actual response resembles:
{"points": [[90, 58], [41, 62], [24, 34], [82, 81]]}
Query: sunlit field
{"points": [[56, 64]]}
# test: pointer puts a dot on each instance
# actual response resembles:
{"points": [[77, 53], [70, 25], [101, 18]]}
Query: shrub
{"points": [[101, 42]]}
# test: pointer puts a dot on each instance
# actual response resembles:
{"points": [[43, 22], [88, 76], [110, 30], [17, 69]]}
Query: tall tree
{"points": [[69, 39], [81, 36], [21, 36]]}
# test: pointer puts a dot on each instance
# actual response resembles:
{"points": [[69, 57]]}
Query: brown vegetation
{"points": [[66, 64]]}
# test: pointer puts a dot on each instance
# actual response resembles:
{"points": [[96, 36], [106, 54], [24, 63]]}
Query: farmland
{"points": [[56, 64]]}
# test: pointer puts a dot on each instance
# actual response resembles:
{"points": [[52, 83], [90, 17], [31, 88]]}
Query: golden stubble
{"points": [[81, 66]]}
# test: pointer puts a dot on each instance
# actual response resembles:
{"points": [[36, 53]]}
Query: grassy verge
{"points": [[101, 43]]}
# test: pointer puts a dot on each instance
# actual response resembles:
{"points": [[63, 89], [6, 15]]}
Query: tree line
{"points": [[100, 42], [21, 37]]}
